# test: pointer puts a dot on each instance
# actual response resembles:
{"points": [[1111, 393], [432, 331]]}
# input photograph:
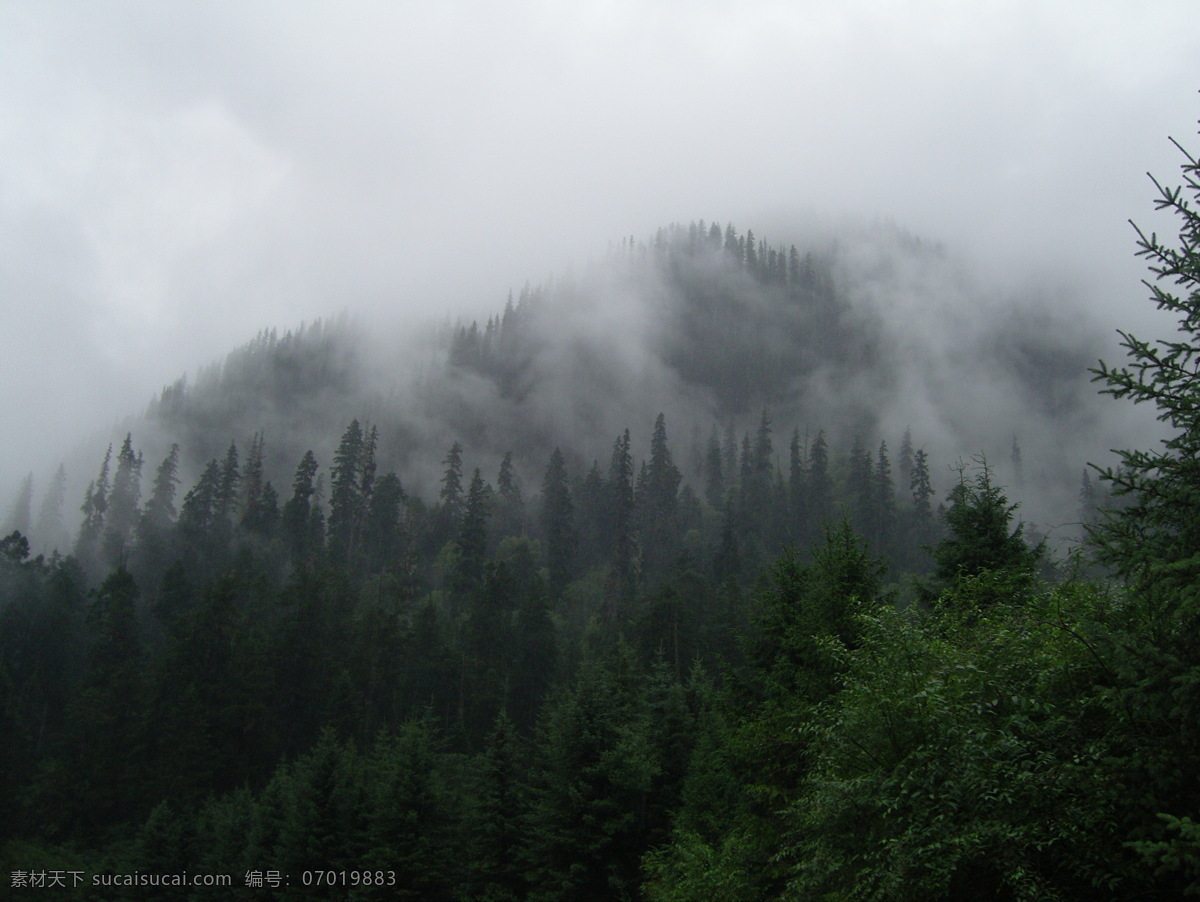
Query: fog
{"points": [[178, 177]]}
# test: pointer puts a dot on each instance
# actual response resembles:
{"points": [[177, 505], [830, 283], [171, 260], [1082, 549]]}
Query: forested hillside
{"points": [[697, 576]]}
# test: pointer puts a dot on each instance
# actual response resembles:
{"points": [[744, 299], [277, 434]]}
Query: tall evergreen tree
{"points": [[123, 502], [346, 502], [225, 505], [981, 538], [95, 506], [624, 542], [797, 490], [160, 508], [558, 524], [472, 533], [884, 502], [660, 504], [302, 522], [510, 512], [1151, 540], [451, 494]]}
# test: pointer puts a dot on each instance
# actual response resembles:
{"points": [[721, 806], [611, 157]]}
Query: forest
{"points": [[418, 644]]}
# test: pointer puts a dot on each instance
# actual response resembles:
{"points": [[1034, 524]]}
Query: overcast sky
{"points": [[176, 176]]}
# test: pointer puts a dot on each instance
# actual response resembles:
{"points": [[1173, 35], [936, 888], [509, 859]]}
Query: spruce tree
{"points": [[624, 542], [95, 506], [1153, 540], [123, 502], [558, 524], [302, 525], [346, 502]]}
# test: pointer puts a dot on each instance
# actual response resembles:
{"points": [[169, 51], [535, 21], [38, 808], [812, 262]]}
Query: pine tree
{"points": [[95, 505], [302, 522], [660, 505], [884, 502], [496, 828], [107, 752], [346, 503], [558, 524], [123, 502], [797, 491], [383, 538], [624, 542], [254, 516], [1153, 539], [472, 533], [451, 494], [198, 515], [160, 509], [226, 502], [981, 538], [510, 513]]}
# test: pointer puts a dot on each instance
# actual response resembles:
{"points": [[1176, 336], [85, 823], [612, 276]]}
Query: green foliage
{"points": [[965, 757], [979, 519]]}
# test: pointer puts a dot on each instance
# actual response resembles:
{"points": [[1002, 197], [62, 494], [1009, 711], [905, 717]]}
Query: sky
{"points": [[175, 177]]}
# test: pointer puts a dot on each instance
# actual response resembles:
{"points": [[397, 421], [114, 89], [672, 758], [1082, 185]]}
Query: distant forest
{"points": [[504, 631]]}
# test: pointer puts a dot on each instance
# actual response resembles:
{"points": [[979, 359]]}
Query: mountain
{"points": [[862, 337]]}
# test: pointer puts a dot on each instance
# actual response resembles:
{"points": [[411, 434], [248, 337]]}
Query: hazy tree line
{"points": [[810, 674]]}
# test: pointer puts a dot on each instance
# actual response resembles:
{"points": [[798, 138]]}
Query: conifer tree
{"points": [[226, 501], [472, 533], [624, 542], [302, 522], [496, 826], [346, 502], [884, 501], [95, 505], [253, 482], [981, 538], [123, 502], [1153, 540], [558, 524], [797, 489], [660, 502], [160, 508], [451, 494], [510, 512]]}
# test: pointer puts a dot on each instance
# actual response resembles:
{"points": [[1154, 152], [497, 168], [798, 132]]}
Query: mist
{"points": [[177, 180]]}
